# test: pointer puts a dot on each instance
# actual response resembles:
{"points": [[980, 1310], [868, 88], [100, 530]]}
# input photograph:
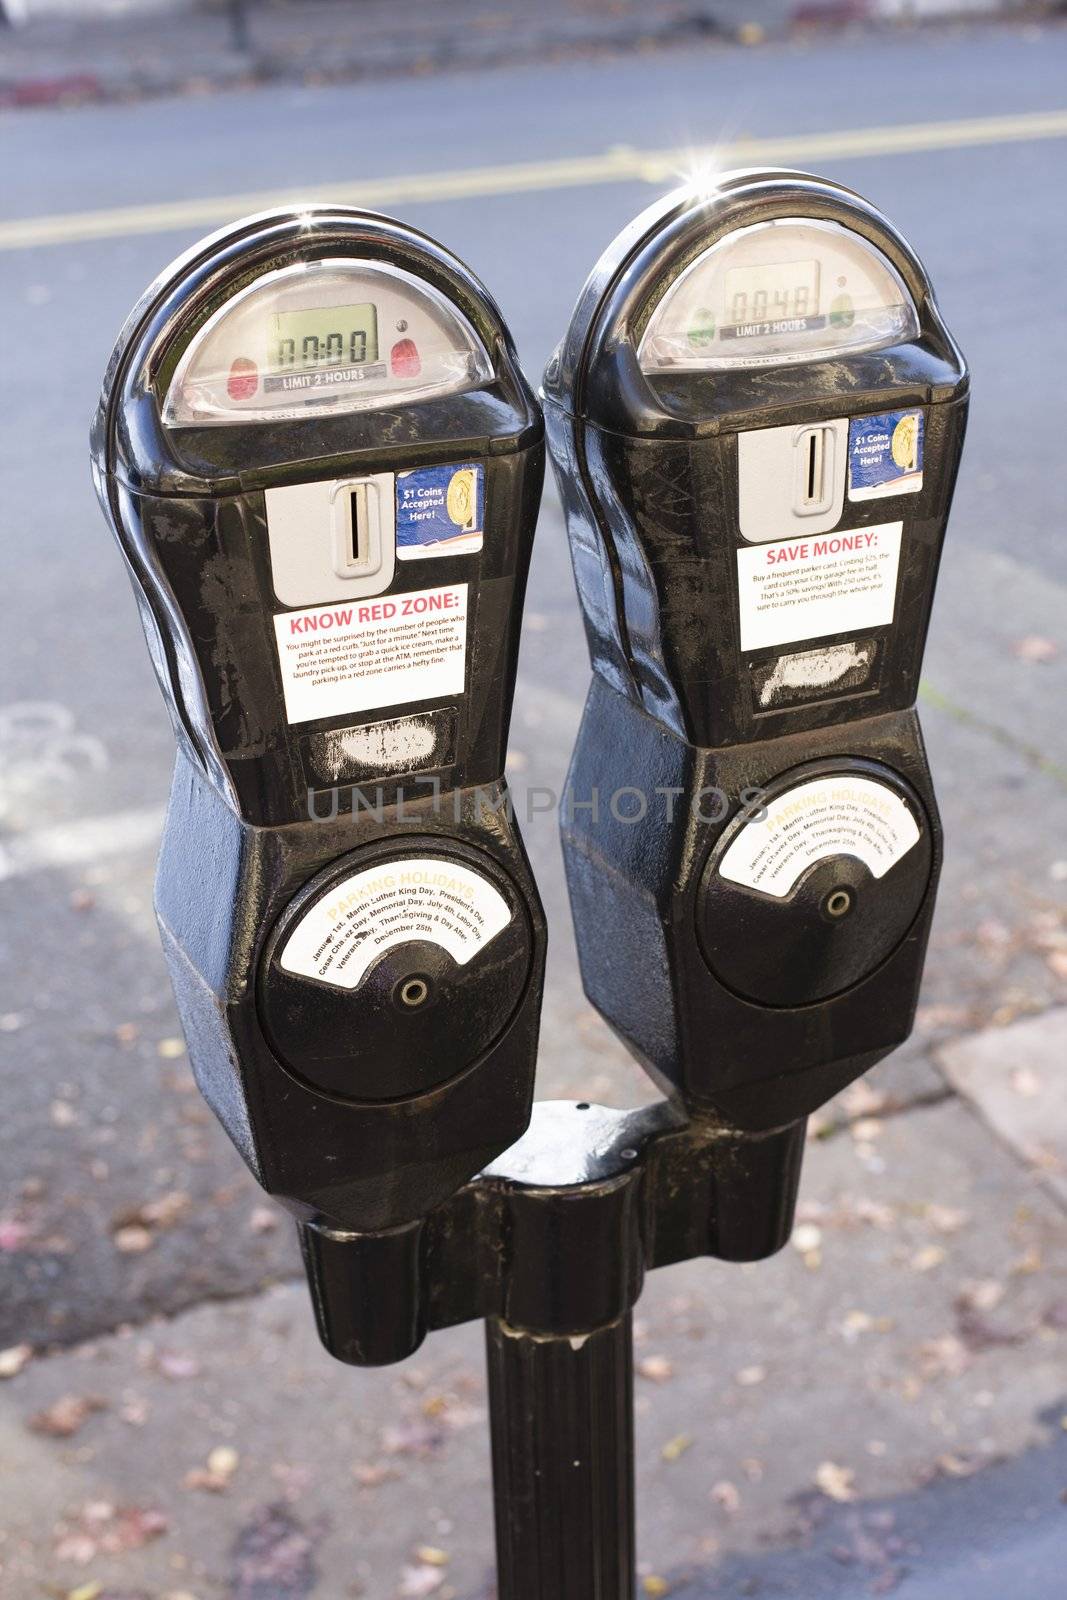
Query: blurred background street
{"points": [[881, 1409]]}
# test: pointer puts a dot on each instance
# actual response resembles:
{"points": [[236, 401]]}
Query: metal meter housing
{"points": [[755, 418], [323, 466]]}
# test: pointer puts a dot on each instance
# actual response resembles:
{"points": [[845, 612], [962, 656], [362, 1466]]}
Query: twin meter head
{"points": [[311, 420], [756, 417], [323, 466]]}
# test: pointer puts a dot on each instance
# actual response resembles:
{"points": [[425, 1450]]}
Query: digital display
{"points": [[325, 336], [786, 291]]}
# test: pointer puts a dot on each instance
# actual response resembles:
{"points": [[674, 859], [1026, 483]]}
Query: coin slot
{"points": [[358, 540], [815, 470]]}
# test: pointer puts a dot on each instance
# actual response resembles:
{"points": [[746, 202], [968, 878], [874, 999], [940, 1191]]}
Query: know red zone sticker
{"points": [[361, 654]]}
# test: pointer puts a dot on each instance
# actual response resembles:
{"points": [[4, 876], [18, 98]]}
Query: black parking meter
{"points": [[756, 418], [323, 467]]}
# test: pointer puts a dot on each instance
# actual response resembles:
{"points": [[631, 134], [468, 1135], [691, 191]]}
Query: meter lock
{"points": [[393, 973], [807, 899]]}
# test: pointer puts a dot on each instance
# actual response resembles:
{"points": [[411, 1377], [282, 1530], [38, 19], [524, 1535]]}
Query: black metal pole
{"points": [[561, 1415]]}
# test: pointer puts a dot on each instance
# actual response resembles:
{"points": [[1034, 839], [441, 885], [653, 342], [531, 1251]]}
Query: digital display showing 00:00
{"points": [[326, 336]]}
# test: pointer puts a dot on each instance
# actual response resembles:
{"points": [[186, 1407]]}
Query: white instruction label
{"points": [[806, 588], [418, 897], [839, 816], [359, 654]]}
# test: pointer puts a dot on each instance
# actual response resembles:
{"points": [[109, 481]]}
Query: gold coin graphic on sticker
{"points": [[905, 445], [461, 498]]}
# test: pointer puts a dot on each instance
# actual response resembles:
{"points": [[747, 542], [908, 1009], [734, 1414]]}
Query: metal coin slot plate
{"points": [[791, 479], [332, 540]]}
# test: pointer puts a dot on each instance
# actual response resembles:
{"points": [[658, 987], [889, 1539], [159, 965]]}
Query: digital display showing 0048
{"points": [[325, 336], [778, 292]]}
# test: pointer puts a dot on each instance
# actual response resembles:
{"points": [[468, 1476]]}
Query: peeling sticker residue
{"points": [[404, 745], [818, 669]]}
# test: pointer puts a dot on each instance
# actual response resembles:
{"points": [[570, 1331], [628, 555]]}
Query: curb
{"points": [[224, 69]]}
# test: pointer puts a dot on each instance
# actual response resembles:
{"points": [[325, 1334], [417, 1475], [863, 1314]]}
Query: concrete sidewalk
{"points": [[222, 1456], [69, 59]]}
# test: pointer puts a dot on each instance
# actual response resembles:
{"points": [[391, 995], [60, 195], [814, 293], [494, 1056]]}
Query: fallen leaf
{"points": [[861, 1100], [223, 1461], [215, 1477], [656, 1587], [1056, 961], [171, 1049], [875, 1214], [1035, 647], [174, 1364], [675, 1448], [132, 1240], [943, 1357], [929, 1257], [953, 1466], [836, 1482], [86, 1591], [412, 1439], [416, 1581], [726, 1495], [657, 1369], [66, 1416], [945, 1219], [806, 1238], [163, 1212], [109, 1530], [984, 1294], [431, 1556], [14, 1359]]}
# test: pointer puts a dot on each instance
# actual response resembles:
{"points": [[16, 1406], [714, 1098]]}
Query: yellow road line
{"points": [[620, 165]]}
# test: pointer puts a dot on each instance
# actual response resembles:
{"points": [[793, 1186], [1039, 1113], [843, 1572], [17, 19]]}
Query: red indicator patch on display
{"points": [[405, 359], [243, 380]]}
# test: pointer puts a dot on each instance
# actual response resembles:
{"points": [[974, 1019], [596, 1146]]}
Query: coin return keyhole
{"points": [[838, 903], [414, 992]]}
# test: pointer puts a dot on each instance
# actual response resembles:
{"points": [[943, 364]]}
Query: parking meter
{"points": [[323, 467], [755, 418]]}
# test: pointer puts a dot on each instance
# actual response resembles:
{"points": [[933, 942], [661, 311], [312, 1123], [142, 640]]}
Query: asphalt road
{"points": [[95, 1115]]}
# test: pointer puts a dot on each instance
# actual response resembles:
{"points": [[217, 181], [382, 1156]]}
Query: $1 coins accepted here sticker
{"points": [[417, 897], [365, 653]]}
